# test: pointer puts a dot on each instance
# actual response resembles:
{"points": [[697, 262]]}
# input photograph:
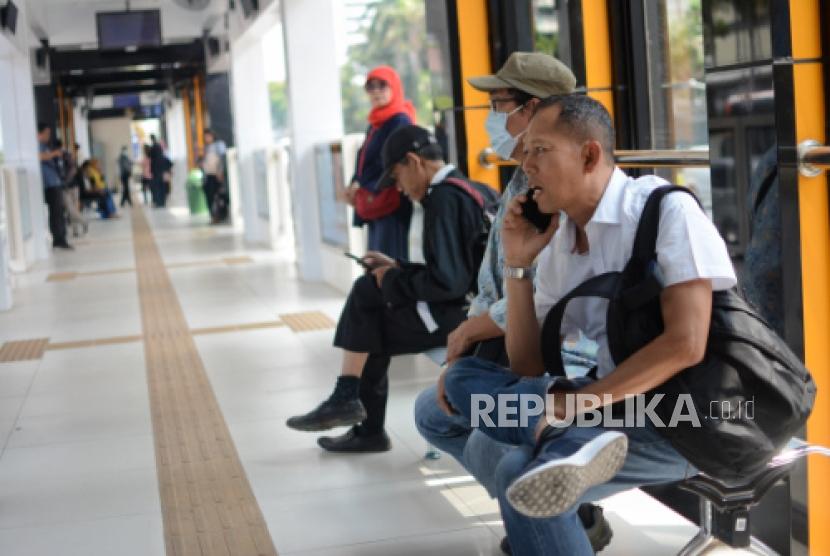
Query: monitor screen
{"points": [[129, 29]]}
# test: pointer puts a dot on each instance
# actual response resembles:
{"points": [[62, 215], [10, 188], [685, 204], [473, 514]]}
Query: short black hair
{"points": [[430, 151], [584, 118], [521, 97], [42, 126]]}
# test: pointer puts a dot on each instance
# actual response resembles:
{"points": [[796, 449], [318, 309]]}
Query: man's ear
{"points": [[591, 155]]}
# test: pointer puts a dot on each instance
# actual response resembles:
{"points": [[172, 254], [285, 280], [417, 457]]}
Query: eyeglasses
{"points": [[495, 102], [375, 85]]}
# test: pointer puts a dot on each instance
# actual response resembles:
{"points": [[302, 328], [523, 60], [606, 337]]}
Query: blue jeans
{"points": [[477, 452], [650, 460]]}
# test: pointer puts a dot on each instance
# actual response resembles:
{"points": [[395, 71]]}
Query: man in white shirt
{"points": [[569, 159]]}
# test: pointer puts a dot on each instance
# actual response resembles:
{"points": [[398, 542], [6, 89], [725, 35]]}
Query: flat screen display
{"points": [[129, 29]]}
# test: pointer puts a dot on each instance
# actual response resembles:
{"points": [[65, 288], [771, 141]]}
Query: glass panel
{"points": [[273, 49], [677, 84], [740, 32], [677, 87], [388, 32], [546, 37], [440, 76]]}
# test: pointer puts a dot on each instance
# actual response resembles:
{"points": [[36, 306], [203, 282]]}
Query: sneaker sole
{"points": [[330, 424], [553, 488]]}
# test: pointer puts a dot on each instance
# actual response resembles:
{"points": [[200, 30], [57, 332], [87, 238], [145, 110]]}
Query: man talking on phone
{"points": [[398, 307], [515, 90]]}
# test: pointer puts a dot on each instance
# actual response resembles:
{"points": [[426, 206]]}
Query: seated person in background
{"points": [[569, 158], [399, 308], [98, 189]]}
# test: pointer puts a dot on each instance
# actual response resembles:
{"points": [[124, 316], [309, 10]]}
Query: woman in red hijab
{"points": [[385, 211]]}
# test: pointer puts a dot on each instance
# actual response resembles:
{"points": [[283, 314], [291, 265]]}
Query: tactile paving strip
{"points": [[208, 506], [23, 350], [304, 322]]}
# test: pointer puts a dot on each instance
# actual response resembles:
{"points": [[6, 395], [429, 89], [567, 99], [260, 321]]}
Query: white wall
{"points": [[17, 111], [82, 134], [112, 133], [177, 151], [252, 126]]}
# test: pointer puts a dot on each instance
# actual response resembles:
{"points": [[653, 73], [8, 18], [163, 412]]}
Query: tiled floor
{"points": [[77, 467]]}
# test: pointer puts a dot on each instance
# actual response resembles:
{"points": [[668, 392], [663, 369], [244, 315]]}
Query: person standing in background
{"points": [[125, 168], [213, 166], [146, 174], [159, 166], [387, 213], [52, 186]]}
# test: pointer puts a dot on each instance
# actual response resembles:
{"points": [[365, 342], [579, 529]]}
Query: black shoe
{"points": [[334, 412], [62, 245], [596, 526], [355, 443], [504, 545]]}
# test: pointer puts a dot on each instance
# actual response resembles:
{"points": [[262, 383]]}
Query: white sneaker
{"points": [[555, 486]]}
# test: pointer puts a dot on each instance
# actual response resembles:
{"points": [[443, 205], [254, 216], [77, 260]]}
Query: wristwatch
{"points": [[519, 273]]}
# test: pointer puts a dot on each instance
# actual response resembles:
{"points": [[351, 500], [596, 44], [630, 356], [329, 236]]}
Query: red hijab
{"points": [[398, 104]]}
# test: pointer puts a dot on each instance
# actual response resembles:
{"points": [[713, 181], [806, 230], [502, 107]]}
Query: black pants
{"points": [[125, 190], [158, 189], [211, 188], [57, 216], [367, 325]]}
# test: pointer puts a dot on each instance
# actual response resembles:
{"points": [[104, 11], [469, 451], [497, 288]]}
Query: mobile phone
{"points": [[358, 260], [531, 213]]}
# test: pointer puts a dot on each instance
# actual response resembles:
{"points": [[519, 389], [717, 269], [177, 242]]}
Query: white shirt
{"points": [[689, 247], [422, 306]]}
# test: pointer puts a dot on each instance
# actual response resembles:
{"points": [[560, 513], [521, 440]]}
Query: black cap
{"points": [[407, 139]]}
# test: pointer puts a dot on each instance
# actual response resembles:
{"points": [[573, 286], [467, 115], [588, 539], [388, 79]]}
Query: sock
{"points": [[347, 388]]}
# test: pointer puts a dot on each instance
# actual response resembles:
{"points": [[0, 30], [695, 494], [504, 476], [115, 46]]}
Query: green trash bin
{"points": [[195, 193]]}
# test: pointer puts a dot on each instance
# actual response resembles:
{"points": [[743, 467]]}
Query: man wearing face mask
{"points": [[514, 91]]}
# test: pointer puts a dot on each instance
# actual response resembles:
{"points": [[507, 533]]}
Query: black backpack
{"points": [[746, 364]]}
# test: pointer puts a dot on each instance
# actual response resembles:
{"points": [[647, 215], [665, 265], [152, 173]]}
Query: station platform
{"points": [[143, 396]]}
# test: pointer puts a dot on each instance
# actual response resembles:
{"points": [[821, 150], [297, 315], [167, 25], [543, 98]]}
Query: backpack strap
{"points": [[468, 189], [604, 286]]}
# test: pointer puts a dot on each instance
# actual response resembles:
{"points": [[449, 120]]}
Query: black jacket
{"points": [[452, 224]]}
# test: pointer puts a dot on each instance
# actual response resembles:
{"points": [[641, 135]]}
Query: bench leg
{"points": [[704, 536]]}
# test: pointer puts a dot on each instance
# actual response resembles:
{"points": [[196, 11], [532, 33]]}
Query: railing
{"points": [[813, 158], [626, 159]]}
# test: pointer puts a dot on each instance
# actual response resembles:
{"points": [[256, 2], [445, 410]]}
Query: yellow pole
{"points": [[188, 127], [814, 219], [199, 114]]}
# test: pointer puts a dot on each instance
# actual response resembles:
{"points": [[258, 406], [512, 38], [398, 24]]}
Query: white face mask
{"points": [[500, 139]]}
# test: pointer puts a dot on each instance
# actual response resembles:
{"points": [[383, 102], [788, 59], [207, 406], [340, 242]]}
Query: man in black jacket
{"points": [[398, 307]]}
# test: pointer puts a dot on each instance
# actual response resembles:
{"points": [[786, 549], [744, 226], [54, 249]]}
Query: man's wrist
{"points": [[523, 272]]}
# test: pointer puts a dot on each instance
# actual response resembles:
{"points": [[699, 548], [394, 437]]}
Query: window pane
{"points": [[385, 32], [546, 36]]}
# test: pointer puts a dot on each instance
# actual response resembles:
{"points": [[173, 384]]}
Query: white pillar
{"points": [[252, 123], [81, 134], [17, 109], [314, 115], [177, 150]]}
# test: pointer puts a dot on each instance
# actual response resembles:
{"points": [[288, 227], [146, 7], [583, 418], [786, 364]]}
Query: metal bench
{"points": [[724, 509]]}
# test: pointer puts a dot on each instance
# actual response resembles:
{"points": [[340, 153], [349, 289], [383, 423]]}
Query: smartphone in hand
{"points": [[531, 213], [358, 260]]}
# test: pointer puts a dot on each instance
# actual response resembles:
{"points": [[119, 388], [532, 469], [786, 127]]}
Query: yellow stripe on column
{"points": [[474, 49], [597, 38], [814, 217]]}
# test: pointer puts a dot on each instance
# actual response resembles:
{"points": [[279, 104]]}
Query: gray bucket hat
{"points": [[537, 74]]}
